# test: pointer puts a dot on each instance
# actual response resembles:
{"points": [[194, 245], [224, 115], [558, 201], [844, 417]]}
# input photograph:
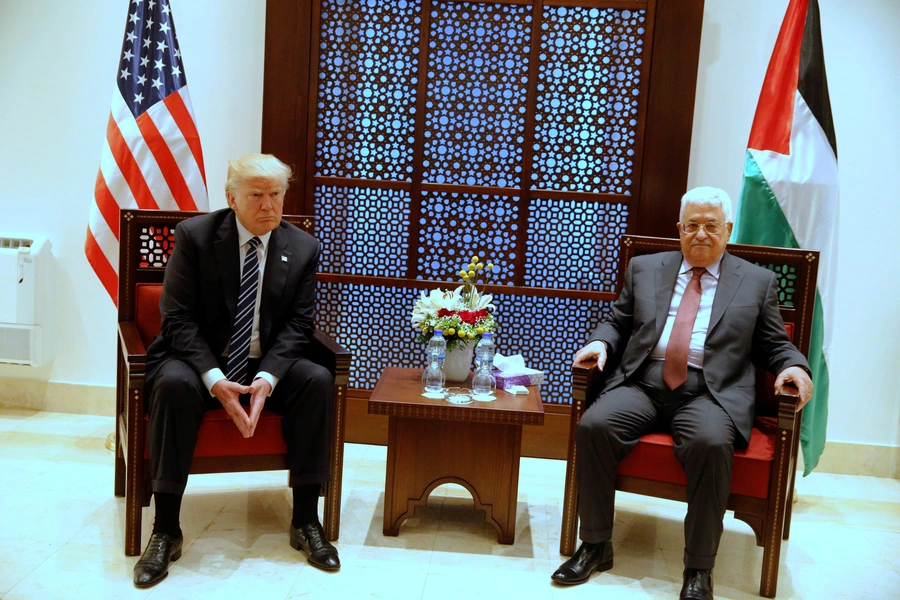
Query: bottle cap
{"points": [[486, 334], [439, 332]]}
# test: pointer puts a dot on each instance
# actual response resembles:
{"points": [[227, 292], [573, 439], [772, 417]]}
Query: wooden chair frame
{"points": [[770, 518], [131, 468]]}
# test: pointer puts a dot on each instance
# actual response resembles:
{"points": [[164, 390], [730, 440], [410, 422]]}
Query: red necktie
{"points": [[675, 369]]}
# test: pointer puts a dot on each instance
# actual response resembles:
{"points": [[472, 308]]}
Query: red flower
{"points": [[444, 313]]}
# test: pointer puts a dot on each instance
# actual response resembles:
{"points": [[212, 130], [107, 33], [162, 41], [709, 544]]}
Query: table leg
{"points": [[425, 453]]}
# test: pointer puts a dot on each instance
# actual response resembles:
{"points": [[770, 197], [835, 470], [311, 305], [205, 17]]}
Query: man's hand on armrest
{"points": [[227, 393], [594, 350], [798, 377]]}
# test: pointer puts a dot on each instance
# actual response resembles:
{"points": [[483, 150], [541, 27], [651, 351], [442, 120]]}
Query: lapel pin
{"points": [[283, 258]]}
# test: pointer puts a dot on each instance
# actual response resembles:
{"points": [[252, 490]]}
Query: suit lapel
{"points": [[228, 259], [278, 263], [730, 277], [666, 274]]}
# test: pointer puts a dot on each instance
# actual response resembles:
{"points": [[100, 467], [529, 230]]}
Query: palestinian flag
{"points": [[789, 197]]}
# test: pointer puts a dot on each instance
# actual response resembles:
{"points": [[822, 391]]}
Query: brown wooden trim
{"points": [[383, 184], [415, 194], [670, 115], [286, 80], [312, 91], [632, 4], [643, 102], [491, 289], [582, 196], [487, 190]]}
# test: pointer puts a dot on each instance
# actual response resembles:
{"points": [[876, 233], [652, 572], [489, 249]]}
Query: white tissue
{"points": [[513, 365], [517, 389]]}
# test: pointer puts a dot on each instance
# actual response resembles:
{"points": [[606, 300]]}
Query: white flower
{"points": [[428, 305], [477, 301]]}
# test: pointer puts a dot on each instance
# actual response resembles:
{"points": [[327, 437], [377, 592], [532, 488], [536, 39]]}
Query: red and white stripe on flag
{"points": [[151, 156]]}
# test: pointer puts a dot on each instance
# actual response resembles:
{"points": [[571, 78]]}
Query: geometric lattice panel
{"points": [[547, 332], [477, 86], [574, 245], [373, 322], [367, 88], [363, 231], [587, 99], [157, 243], [787, 277], [455, 226]]}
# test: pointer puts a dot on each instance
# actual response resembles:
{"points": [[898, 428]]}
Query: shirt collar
{"points": [[244, 235], [712, 269]]}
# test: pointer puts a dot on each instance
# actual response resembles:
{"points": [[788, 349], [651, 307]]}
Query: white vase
{"points": [[458, 363]]}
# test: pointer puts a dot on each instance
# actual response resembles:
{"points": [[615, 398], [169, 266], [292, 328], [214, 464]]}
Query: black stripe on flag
{"points": [[813, 84]]}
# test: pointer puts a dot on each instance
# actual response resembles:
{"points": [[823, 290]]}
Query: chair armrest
{"points": [[131, 343], [789, 399], [323, 350], [587, 381]]}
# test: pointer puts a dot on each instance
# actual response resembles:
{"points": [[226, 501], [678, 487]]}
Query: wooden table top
{"points": [[399, 393]]}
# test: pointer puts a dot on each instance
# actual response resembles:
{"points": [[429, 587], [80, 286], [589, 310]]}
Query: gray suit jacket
{"points": [[745, 328]]}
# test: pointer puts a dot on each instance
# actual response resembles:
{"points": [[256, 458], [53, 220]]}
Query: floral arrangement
{"points": [[462, 314]]}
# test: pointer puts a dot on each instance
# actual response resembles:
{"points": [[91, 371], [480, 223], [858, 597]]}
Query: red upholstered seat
{"points": [[653, 459], [218, 435]]}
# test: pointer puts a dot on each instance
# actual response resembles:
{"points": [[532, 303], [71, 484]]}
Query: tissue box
{"points": [[530, 379]]}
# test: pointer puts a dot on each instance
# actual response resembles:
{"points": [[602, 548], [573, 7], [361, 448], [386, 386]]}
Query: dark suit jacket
{"points": [[745, 327], [200, 292]]}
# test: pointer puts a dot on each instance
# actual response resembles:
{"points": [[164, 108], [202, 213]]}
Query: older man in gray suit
{"points": [[689, 327]]}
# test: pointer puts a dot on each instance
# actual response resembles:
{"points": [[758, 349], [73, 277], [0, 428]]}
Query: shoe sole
{"points": [[173, 558], [299, 548], [600, 568]]}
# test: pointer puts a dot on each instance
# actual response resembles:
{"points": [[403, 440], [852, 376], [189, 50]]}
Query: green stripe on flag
{"points": [[761, 221]]}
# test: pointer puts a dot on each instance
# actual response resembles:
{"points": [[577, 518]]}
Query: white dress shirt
{"points": [[708, 282], [213, 376]]}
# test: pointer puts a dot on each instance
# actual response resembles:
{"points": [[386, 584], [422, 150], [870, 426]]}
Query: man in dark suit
{"points": [[237, 315], [688, 327]]}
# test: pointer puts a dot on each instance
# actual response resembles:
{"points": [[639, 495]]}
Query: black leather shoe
{"points": [[587, 559], [698, 585], [311, 539], [153, 566]]}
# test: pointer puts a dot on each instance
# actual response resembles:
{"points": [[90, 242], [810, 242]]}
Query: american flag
{"points": [[151, 156]]}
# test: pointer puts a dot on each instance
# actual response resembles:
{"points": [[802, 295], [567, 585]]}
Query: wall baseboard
{"points": [[549, 441], [53, 396]]}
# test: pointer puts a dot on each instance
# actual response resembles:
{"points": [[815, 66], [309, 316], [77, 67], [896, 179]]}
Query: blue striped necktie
{"points": [[239, 348]]}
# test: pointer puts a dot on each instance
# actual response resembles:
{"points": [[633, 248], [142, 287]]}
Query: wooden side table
{"points": [[432, 442]]}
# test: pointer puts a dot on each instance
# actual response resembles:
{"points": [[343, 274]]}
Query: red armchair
{"points": [[762, 480], [145, 243]]}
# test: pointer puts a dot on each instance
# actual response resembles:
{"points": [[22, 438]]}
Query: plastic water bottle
{"points": [[433, 377], [483, 383]]}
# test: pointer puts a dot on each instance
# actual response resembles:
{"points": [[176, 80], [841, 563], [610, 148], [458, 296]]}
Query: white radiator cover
{"points": [[27, 288]]}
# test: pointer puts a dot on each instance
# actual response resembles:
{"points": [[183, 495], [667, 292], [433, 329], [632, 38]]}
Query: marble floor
{"points": [[61, 534]]}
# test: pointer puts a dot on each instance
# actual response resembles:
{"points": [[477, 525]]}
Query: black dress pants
{"points": [[704, 437], [178, 399]]}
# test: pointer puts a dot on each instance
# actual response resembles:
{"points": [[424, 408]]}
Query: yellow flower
{"points": [[471, 273], [471, 336], [462, 274], [471, 266], [480, 266], [450, 331], [462, 334], [474, 259], [490, 266], [480, 330], [465, 277]]}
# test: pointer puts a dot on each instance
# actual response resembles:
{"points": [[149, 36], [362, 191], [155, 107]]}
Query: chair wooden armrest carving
{"points": [[763, 475], [146, 240]]}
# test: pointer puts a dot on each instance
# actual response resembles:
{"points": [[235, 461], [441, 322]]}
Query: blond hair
{"points": [[255, 166]]}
